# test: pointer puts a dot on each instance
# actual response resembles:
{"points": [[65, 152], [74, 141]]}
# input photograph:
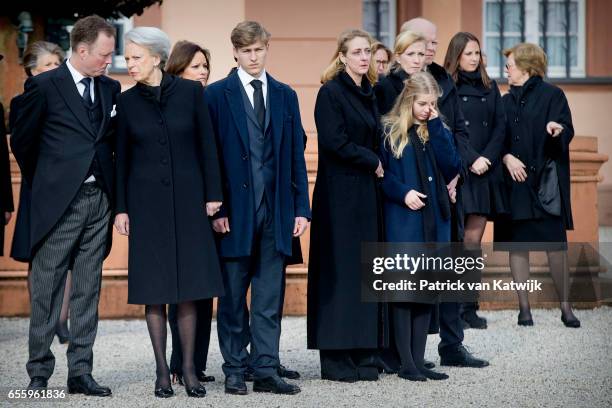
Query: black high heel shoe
{"points": [[163, 392], [196, 392], [202, 377], [573, 323]]}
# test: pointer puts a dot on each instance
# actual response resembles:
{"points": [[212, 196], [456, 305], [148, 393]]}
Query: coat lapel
{"points": [[234, 100], [105, 101], [68, 90], [358, 106], [276, 106]]}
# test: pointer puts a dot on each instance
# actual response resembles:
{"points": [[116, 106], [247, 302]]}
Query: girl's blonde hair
{"points": [[399, 120], [336, 66]]}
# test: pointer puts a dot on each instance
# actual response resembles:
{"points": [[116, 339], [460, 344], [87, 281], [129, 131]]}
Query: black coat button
{"points": [[465, 99], [244, 157], [532, 168], [164, 160], [516, 120], [245, 185], [483, 99], [467, 123], [516, 138], [484, 123], [160, 121]]}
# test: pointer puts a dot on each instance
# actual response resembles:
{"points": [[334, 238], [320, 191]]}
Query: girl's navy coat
{"points": [[401, 223]]}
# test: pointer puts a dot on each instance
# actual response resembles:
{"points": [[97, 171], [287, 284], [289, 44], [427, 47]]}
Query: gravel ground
{"points": [[545, 365]]}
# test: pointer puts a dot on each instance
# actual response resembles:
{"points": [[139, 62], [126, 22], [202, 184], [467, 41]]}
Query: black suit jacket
{"points": [[54, 144]]}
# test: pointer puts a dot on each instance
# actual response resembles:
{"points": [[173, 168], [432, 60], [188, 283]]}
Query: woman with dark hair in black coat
{"points": [[346, 211], [538, 133], [483, 191]]}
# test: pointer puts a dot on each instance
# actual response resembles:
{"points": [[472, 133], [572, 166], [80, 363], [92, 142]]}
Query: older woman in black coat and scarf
{"points": [[346, 211], [538, 133], [168, 181]]}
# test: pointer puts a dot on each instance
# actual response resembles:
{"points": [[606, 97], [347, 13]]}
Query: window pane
{"points": [[511, 41], [369, 16], [493, 52], [512, 17], [555, 18], [492, 17]]}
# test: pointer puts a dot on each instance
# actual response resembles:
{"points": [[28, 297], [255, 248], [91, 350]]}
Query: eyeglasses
{"points": [[508, 66]]}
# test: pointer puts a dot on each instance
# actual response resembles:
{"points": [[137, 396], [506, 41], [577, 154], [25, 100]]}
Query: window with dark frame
{"points": [[379, 20], [558, 26]]}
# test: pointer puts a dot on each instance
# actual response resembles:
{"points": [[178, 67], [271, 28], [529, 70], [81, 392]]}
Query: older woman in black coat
{"points": [[168, 180], [346, 211], [538, 133]]}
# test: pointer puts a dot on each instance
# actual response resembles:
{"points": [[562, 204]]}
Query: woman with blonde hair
{"points": [[538, 133], [409, 51], [420, 159], [346, 211]]}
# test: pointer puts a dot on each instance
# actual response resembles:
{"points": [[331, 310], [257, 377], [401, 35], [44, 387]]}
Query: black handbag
{"points": [[549, 194]]}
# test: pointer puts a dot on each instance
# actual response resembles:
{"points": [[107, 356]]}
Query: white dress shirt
{"points": [[76, 77], [246, 79]]}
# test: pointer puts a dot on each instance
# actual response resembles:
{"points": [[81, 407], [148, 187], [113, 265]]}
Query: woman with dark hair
{"points": [[190, 61], [39, 57], [538, 133], [168, 181], [346, 211], [483, 191]]}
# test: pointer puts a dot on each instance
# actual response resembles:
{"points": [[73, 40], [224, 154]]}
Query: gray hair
{"points": [[152, 38], [36, 50]]}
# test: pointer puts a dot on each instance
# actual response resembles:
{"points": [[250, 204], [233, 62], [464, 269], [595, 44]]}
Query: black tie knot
{"points": [[256, 84], [86, 81]]}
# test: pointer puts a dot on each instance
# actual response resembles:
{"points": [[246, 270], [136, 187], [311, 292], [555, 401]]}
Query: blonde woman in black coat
{"points": [[346, 211], [538, 133]]}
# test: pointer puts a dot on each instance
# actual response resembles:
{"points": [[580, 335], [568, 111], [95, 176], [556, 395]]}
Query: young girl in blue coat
{"points": [[419, 158]]}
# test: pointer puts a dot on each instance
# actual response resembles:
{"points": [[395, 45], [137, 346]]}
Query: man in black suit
{"points": [[63, 143], [256, 120]]}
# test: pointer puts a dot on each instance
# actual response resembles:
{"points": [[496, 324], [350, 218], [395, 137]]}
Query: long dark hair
{"points": [[453, 55]]}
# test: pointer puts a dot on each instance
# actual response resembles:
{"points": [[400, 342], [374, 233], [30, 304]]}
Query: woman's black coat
{"points": [[485, 120], [167, 169], [388, 89], [6, 187], [346, 211], [528, 109]]}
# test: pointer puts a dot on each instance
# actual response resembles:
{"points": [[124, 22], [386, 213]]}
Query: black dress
{"points": [[20, 247], [486, 121], [6, 187], [346, 211], [167, 169], [528, 109]]}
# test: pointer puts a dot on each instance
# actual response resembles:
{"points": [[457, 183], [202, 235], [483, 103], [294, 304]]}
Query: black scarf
{"points": [[471, 78], [429, 216]]}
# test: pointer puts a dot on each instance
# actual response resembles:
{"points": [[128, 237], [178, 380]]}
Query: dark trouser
{"points": [[204, 310], [451, 326], [410, 327], [78, 239], [469, 307], [263, 271], [348, 364]]}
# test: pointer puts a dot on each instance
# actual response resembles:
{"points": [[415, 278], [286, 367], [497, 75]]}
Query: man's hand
{"points": [[213, 207], [221, 225], [122, 224], [301, 223]]}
